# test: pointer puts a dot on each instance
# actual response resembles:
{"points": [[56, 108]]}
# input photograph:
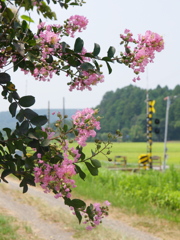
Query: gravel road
{"points": [[53, 231]]}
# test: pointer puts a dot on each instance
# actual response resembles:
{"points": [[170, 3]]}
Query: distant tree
{"points": [[126, 108]]}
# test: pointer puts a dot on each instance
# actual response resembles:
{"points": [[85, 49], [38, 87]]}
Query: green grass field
{"points": [[153, 193], [133, 150]]}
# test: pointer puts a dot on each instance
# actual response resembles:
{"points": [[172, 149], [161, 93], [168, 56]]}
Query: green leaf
{"points": [[30, 180], [96, 163], [78, 46], [30, 65], [107, 59], [10, 97], [23, 128], [127, 50], [15, 66], [4, 78], [65, 127], [83, 156], [12, 108], [97, 65], [81, 173], [93, 170], [67, 201], [73, 62], [39, 121], [86, 66], [45, 142], [27, 101], [27, 18], [89, 211], [109, 67], [64, 46], [15, 95], [23, 184], [29, 114], [78, 215], [34, 144], [111, 52], [20, 115], [5, 173], [49, 59], [31, 135], [20, 145], [89, 55], [78, 203], [8, 131], [11, 147], [96, 50]]}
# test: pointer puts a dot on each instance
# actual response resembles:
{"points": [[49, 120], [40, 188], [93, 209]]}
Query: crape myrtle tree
{"points": [[53, 164]]}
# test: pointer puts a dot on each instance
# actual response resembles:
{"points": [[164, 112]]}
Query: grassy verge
{"points": [[162, 228], [12, 229], [150, 193], [67, 221]]}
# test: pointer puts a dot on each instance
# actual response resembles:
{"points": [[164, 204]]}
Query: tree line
{"points": [[126, 110]]}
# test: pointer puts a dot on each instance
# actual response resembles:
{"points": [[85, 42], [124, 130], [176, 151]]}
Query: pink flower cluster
{"points": [[49, 132], [98, 211], [3, 61], [86, 80], [49, 44], [144, 52], [85, 123], [49, 40], [76, 23], [57, 177]]}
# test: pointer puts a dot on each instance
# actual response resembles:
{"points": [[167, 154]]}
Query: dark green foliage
{"points": [[125, 109], [78, 46]]}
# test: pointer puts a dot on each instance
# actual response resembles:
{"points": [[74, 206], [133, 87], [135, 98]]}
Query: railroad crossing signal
{"points": [[157, 129], [151, 108], [150, 111], [144, 161]]}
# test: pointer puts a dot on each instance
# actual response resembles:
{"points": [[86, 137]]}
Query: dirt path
{"points": [[48, 230]]}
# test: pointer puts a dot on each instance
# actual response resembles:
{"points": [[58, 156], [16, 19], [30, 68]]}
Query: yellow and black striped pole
{"points": [[150, 112]]}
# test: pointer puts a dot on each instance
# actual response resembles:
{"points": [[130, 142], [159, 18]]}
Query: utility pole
{"points": [[63, 110], [48, 113]]}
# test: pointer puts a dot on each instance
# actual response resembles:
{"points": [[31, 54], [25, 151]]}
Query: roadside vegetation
{"points": [[145, 193], [151, 192], [12, 229]]}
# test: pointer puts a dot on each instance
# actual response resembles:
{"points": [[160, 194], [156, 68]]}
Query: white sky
{"points": [[107, 19]]}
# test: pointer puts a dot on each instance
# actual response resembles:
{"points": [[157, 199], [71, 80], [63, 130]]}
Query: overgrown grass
{"points": [[7, 231], [145, 193]]}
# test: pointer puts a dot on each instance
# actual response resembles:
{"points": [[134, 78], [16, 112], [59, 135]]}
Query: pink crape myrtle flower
{"points": [[50, 134], [98, 211], [58, 177], [76, 23], [144, 52], [86, 81], [85, 123]]}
